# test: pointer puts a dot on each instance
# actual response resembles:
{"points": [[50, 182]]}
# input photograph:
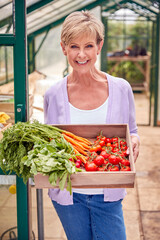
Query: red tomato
{"points": [[108, 144], [119, 158], [113, 159], [115, 145], [104, 154], [98, 137], [108, 140], [125, 162], [95, 148], [79, 161], [109, 148], [125, 153], [103, 168], [123, 143], [124, 147], [102, 143], [78, 165], [115, 150], [125, 168], [114, 139], [113, 168], [90, 166], [103, 139], [122, 154], [99, 160], [92, 156], [105, 162], [99, 148]]}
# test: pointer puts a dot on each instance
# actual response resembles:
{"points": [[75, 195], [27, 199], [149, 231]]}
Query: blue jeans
{"points": [[90, 218]]}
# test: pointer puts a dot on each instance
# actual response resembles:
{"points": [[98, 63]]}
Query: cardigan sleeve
{"points": [[132, 114], [56, 106], [50, 106], [45, 107], [121, 104]]}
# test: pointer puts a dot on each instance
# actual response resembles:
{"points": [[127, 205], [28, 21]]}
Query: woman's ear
{"points": [[100, 45], [63, 48]]}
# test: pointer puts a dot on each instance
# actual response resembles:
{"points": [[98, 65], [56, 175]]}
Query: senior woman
{"points": [[89, 96]]}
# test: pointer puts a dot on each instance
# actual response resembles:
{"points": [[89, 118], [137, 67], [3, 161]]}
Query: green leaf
{"points": [[69, 186], [63, 181], [53, 178]]}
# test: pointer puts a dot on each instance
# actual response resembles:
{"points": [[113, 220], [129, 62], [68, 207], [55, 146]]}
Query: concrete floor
{"points": [[141, 205]]}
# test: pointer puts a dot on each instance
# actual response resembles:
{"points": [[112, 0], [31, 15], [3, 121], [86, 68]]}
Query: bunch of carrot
{"points": [[81, 145]]}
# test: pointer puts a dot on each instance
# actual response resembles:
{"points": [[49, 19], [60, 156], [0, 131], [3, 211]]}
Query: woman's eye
{"points": [[73, 46], [89, 46]]}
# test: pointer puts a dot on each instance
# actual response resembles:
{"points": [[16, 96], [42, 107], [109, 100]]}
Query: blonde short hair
{"points": [[79, 23]]}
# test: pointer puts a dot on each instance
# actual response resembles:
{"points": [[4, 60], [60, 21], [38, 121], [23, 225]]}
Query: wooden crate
{"points": [[97, 179], [8, 107]]}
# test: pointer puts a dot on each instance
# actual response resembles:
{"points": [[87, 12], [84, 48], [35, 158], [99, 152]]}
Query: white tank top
{"points": [[95, 116]]}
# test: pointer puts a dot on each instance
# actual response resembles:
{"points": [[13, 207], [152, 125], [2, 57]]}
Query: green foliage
{"points": [[122, 35], [27, 148], [115, 28], [49, 159], [128, 71]]}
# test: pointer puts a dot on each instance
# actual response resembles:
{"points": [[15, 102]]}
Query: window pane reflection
{"points": [[6, 17]]}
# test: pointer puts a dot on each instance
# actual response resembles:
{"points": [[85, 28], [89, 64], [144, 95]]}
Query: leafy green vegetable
{"points": [[19, 139], [49, 159], [26, 148]]}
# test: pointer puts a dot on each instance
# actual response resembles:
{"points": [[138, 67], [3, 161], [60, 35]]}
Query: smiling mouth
{"points": [[82, 62]]}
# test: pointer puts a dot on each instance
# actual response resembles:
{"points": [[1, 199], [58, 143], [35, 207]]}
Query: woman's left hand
{"points": [[135, 147]]}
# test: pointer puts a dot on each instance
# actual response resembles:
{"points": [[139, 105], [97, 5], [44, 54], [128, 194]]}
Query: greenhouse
{"points": [[31, 61]]}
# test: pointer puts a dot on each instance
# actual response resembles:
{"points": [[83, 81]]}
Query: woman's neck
{"points": [[87, 92], [87, 79]]}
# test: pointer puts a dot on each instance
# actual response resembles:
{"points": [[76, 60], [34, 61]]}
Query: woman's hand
{"points": [[135, 147]]}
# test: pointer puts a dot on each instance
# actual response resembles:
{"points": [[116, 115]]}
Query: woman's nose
{"points": [[81, 53]]}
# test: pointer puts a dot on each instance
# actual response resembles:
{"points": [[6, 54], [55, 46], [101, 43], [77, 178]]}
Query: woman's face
{"points": [[82, 52]]}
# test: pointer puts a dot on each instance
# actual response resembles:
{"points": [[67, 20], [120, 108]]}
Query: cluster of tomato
{"points": [[108, 154]]}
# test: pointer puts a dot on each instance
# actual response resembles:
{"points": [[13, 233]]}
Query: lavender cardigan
{"points": [[121, 109]]}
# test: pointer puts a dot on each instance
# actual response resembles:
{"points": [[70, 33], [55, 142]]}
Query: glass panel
{"points": [[8, 208], [6, 64], [50, 65], [31, 2], [50, 59], [128, 39], [52, 12], [6, 17], [6, 83]]}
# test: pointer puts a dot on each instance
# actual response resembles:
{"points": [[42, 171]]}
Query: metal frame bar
{"points": [[157, 61], [21, 109], [38, 5], [152, 75], [7, 39]]}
